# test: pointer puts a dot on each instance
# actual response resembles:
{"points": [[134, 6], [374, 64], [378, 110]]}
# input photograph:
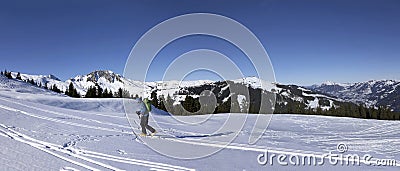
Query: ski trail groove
{"points": [[78, 153], [43, 148], [60, 121], [159, 166], [245, 147], [68, 115]]}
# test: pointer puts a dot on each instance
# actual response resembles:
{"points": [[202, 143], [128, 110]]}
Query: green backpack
{"points": [[148, 105]]}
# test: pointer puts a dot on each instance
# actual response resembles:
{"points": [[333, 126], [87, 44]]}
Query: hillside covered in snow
{"points": [[112, 82], [369, 93], [355, 100], [43, 130]]}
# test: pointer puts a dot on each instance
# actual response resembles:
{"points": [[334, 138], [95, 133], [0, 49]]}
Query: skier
{"points": [[143, 113]]}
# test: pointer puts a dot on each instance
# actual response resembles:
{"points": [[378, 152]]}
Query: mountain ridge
{"points": [[370, 93]]}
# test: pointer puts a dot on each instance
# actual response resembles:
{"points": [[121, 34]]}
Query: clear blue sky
{"points": [[308, 41]]}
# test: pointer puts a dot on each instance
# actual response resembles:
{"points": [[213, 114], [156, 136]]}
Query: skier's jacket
{"points": [[145, 108]]}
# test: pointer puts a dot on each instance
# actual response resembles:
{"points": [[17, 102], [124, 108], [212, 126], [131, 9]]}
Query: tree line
{"points": [[191, 106], [340, 109], [92, 92]]}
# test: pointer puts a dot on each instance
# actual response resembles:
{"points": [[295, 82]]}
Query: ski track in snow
{"points": [[232, 146], [52, 149], [68, 115], [93, 160], [60, 152], [57, 120]]}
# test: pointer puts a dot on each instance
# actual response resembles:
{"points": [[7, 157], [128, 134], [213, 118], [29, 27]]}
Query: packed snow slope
{"points": [[41, 130]]}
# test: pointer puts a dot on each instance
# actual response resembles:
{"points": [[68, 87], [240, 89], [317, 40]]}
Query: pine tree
{"points": [[169, 104], [71, 91], [99, 90], [224, 107], [191, 105], [379, 113], [245, 106], [107, 94], [154, 99], [55, 89], [8, 74], [18, 76], [125, 94], [235, 108], [31, 81], [91, 92], [319, 110], [161, 103], [110, 94], [120, 93]]}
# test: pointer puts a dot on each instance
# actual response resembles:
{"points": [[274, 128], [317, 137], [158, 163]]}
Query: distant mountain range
{"points": [[325, 96], [369, 93]]}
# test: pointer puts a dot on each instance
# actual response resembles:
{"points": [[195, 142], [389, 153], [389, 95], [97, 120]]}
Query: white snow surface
{"points": [[256, 83], [242, 101], [313, 104], [41, 130]]}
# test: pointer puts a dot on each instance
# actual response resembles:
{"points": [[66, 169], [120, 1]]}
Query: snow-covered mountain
{"points": [[43, 80], [105, 79], [370, 93], [44, 130], [325, 96], [285, 94], [178, 90], [15, 88], [112, 82]]}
